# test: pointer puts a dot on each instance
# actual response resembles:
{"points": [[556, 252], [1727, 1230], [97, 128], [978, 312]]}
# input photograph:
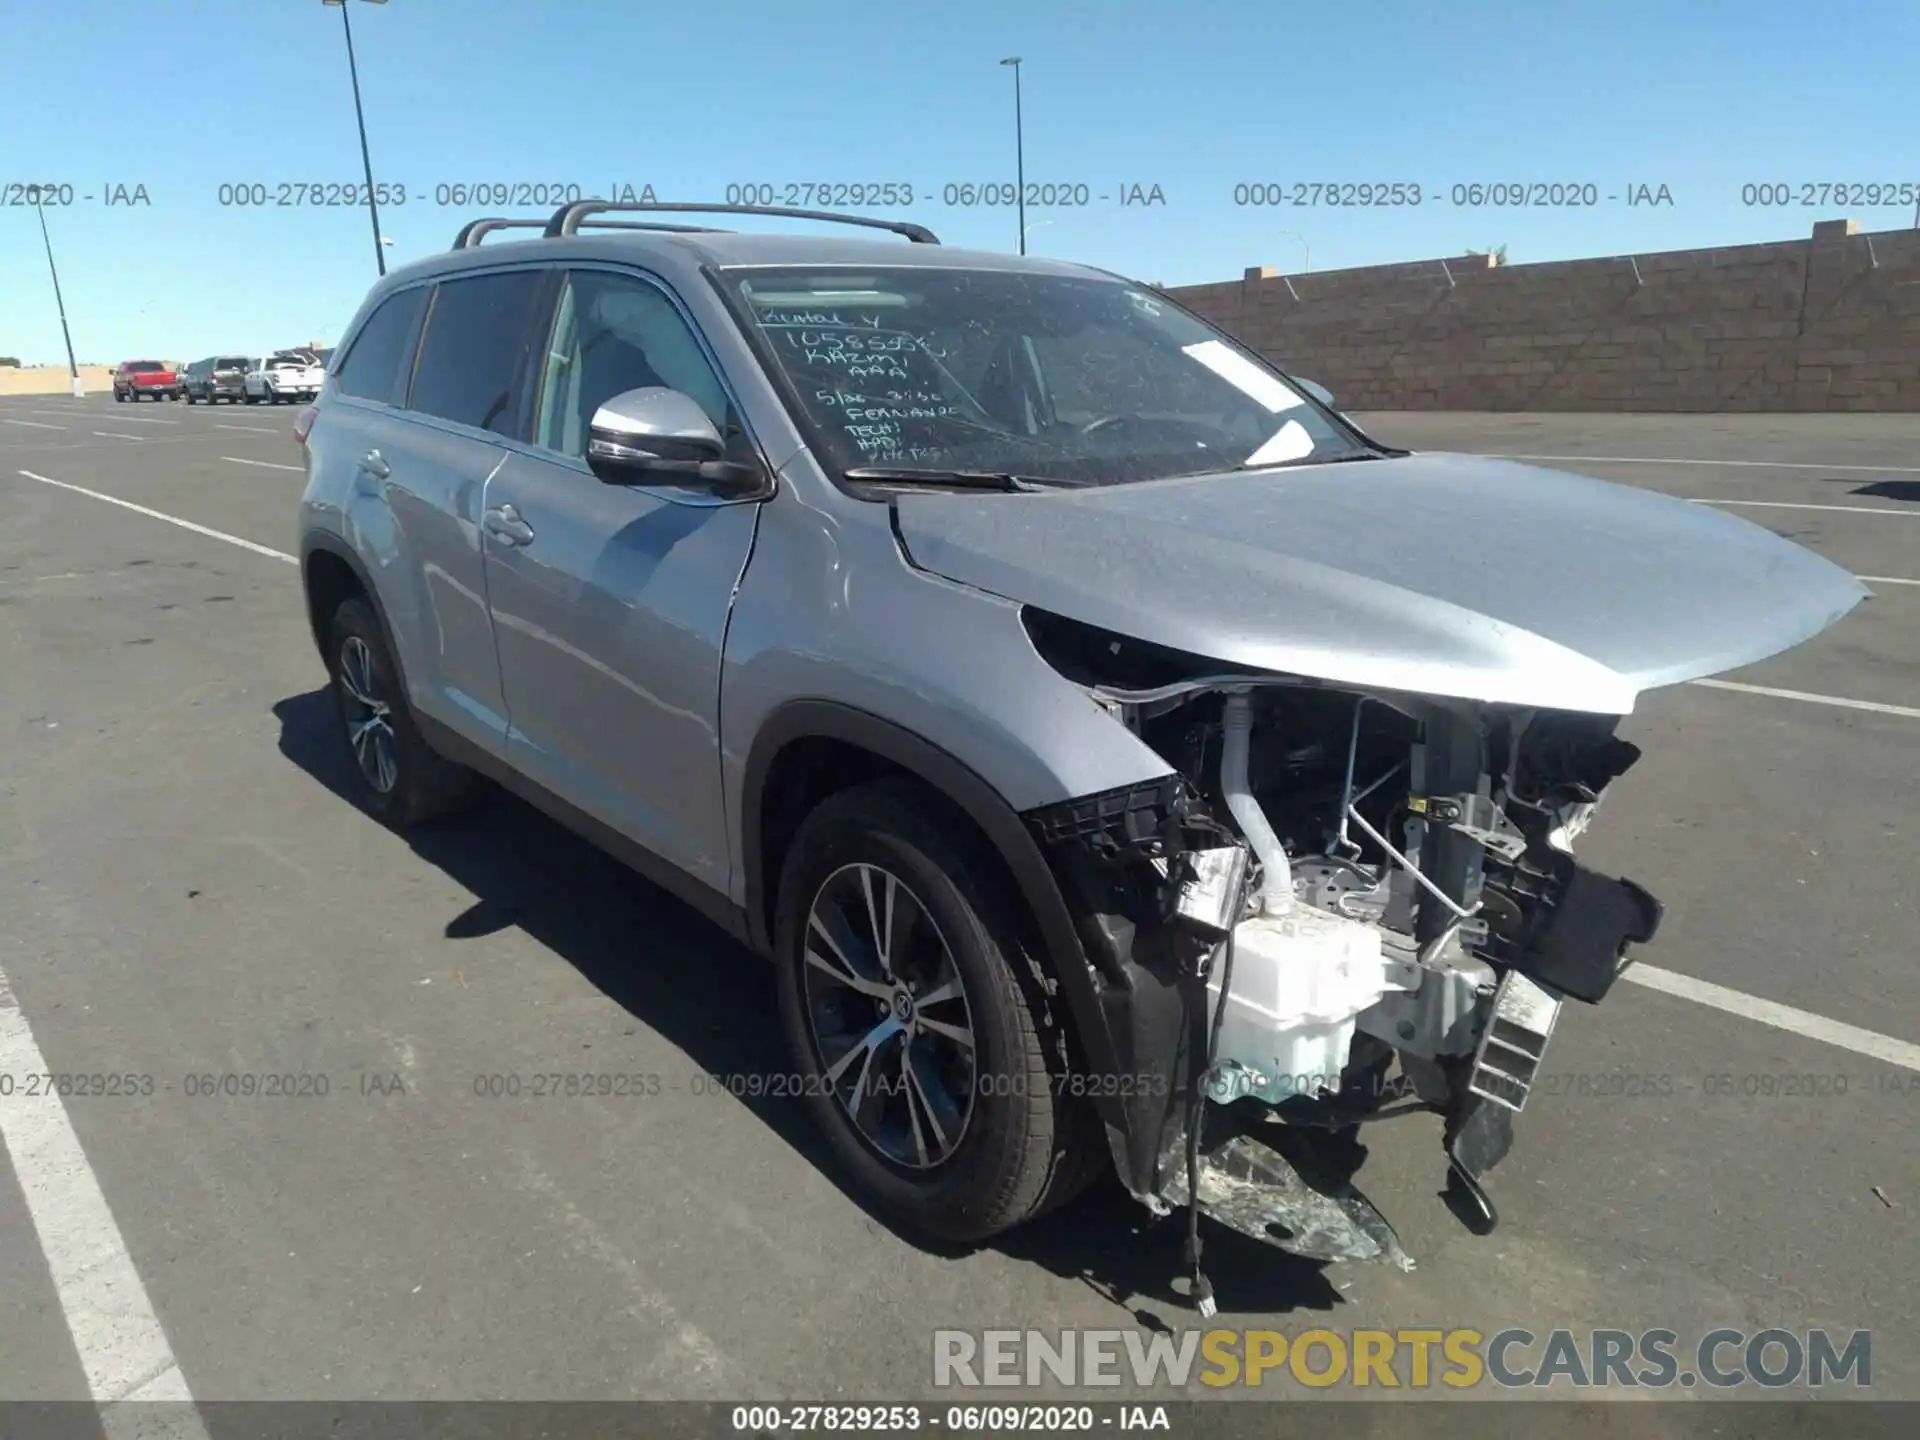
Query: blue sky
{"points": [[1192, 96]]}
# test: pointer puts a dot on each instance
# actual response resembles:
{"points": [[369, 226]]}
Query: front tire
{"points": [[925, 1049], [400, 779]]}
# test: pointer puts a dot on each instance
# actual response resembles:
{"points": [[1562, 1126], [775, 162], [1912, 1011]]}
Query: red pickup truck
{"points": [[145, 377]]}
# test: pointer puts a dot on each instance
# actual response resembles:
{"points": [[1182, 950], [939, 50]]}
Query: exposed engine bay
{"points": [[1342, 906]]}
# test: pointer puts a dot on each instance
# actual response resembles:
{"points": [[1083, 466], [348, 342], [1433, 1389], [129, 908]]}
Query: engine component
{"points": [[1276, 883], [1341, 887], [1441, 1011], [1446, 949], [1563, 924], [1142, 819], [1300, 982], [1211, 896], [1475, 816], [1524, 1015]]}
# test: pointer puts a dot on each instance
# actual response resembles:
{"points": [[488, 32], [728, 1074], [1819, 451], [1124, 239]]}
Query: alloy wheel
{"points": [[368, 717], [889, 1014]]}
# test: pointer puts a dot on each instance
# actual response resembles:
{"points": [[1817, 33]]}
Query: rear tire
{"points": [[1014, 1142], [401, 780]]}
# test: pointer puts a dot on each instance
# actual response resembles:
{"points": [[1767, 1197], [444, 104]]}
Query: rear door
{"points": [[610, 602], [467, 394], [362, 425]]}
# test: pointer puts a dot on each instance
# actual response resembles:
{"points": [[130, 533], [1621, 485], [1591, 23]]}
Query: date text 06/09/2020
{"points": [[1466, 195], [55, 194], [456, 194], [783, 194], [954, 1419]]}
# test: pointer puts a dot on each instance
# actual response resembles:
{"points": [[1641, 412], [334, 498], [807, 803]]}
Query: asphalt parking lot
{"points": [[187, 893]]}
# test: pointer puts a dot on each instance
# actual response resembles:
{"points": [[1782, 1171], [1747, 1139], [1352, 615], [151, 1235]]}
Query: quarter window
{"points": [[374, 367]]}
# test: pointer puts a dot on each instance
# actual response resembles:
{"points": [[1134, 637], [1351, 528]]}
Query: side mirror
{"points": [[1316, 390], [656, 436]]}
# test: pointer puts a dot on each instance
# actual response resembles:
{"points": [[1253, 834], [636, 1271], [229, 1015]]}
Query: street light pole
{"points": [[1019, 152], [1304, 251], [73, 370], [366, 159]]}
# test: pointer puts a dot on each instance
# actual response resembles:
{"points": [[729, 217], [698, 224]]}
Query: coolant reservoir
{"points": [[1299, 982]]}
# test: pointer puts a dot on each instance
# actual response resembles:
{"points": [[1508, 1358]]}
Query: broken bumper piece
{"points": [[1254, 1189]]}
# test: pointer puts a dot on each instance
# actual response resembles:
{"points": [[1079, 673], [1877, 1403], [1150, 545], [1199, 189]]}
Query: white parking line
{"points": [[263, 464], [120, 1342], [127, 419], [250, 429], [1782, 1017], [116, 435], [1884, 580], [1811, 698], [34, 423], [1797, 505], [170, 519], [1669, 460]]}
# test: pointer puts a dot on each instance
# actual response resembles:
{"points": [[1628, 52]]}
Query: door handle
{"points": [[375, 465], [504, 521]]}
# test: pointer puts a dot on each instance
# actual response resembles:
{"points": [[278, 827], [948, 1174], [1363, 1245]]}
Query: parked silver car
{"points": [[1022, 665]]}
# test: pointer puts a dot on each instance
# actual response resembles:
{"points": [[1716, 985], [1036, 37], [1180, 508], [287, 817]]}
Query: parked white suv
{"points": [[281, 378]]}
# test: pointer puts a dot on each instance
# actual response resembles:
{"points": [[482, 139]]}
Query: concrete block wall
{"points": [[1827, 323]]}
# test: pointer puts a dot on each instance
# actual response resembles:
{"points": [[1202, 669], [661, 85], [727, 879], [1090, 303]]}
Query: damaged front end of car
{"points": [[1340, 905]]}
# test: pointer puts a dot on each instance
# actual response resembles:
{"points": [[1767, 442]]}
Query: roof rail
{"points": [[474, 231], [568, 218]]}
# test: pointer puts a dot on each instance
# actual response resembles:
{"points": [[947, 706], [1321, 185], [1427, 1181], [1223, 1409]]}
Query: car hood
{"points": [[1431, 574]]}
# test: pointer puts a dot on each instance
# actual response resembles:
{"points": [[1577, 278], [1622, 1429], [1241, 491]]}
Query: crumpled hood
{"points": [[1431, 574]]}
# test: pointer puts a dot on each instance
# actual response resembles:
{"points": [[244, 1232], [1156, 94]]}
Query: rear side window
{"points": [[376, 365], [475, 352]]}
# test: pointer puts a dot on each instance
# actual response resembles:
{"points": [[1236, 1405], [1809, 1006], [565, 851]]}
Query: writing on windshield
{"points": [[881, 386]]}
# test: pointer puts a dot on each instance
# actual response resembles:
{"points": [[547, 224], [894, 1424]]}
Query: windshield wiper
{"points": [[948, 479], [1306, 460]]}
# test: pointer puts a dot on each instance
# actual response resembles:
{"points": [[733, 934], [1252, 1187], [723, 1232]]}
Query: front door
{"points": [[610, 602]]}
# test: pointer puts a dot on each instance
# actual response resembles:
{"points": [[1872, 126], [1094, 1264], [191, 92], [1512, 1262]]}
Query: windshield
{"points": [[289, 362], [233, 362], [144, 367], [1075, 379]]}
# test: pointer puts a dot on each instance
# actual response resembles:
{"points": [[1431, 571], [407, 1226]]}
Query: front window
{"points": [[613, 333], [1073, 379]]}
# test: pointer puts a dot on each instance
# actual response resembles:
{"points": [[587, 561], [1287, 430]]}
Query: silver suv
{"points": [[1023, 666]]}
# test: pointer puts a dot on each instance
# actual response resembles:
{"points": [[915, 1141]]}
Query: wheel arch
{"points": [[797, 734], [330, 572]]}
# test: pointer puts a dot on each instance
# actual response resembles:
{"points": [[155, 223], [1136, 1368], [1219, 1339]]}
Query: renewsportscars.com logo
{"points": [[1415, 1359]]}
